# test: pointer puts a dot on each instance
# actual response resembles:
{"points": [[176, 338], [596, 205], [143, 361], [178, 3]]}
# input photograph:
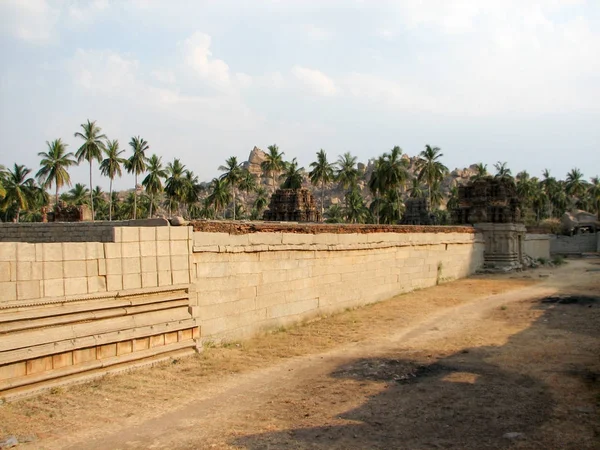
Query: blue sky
{"points": [[485, 80]]}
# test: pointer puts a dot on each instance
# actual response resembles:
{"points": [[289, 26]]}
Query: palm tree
{"points": [[322, 173], [575, 184], [232, 175], [356, 211], [416, 189], [219, 194], [391, 206], [431, 168], [54, 166], [136, 164], [273, 163], [91, 149], [346, 173], [111, 167], [594, 193], [19, 190], [335, 214], [79, 195], [394, 172], [502, 171], [261, 200], [175, 186], [480, 172], [247, 182], [292, 176], [153, 181], [377, 185], [192, 190]]}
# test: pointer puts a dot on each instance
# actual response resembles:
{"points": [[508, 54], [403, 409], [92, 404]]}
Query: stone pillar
{"points": [[504, 245]]}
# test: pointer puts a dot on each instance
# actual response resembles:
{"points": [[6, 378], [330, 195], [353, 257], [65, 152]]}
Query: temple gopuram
{"points": [[292, 205], [492, 206], [489, 199], [416, 212]]}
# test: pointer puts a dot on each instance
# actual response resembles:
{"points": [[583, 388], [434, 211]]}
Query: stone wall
{"points": [[101, 231], [139, 257], [537, 246], [246, 283], [573, 245]]}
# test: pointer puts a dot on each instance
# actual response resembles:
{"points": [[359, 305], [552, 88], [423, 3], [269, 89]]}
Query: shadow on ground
{"points": [[459, 401]]}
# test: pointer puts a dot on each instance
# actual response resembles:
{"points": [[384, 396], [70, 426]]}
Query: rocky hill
{"points": [[335, 195]]}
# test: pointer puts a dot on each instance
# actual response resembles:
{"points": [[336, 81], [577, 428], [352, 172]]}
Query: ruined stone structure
{"points": [[486, 200], [67, 213], [492, 206], [417, 212], [292, 205]]}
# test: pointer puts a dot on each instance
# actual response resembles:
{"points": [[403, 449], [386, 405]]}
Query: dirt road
{"points": [[447, 367]]}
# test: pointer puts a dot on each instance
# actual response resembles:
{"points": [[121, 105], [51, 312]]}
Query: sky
{"points": [[484, 80]]}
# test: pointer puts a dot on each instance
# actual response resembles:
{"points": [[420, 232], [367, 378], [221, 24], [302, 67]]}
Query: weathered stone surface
{"points": [[292, 205]]}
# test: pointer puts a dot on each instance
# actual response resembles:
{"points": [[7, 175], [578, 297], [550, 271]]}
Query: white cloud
{"points": [[164, 76], [315, 80], [199, 57], [316, 33], [244, 80], [82, 13], [33, 21]]}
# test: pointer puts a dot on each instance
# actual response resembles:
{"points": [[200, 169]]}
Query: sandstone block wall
{"points": [[101, 231], [580, 243], [139, 257], [245, 283], [537, 246]]}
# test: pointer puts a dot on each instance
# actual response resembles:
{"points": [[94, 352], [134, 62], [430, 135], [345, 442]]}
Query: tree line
{"points": [[373, 196]]}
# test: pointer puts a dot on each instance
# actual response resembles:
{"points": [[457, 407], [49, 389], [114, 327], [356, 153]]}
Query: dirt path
{"points": [[458, 369]]}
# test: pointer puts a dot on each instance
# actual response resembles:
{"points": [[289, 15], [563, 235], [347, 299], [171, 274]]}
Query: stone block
{"points": [[132, 281], [112, 250], [8, 251], [91, 268], [171, 338], [163, 248], [5, 271], [180, 276], [76, 286], [141, 344], [54, 288], [27, 290], [164, 278], [179, 233], [294, 308], [266, 238], [131, 265], [52, 252], [74, 251], [39, 252], [15, 370], [149, 279], [8, 291], [130, 250], [147, 234], [84, 355], [157, 341], [37, 271], [94, 250], [130, 234], [114, 282], [149, 264], [96, 284], [179, 248], [23, 271], [114, 267], [74, 269], [39, 365], [163, 263], [106, 351], [62, 360], [101, 267], [25, 252], [213, 269], [162, 233], [124, 347], [180, 262], [148, 248]]}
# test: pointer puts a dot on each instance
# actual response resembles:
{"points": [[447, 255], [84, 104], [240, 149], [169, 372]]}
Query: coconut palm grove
{"points": [[346, 191]]}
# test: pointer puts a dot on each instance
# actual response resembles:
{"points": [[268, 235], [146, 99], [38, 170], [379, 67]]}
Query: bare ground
{"points": [[455, 366]]}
